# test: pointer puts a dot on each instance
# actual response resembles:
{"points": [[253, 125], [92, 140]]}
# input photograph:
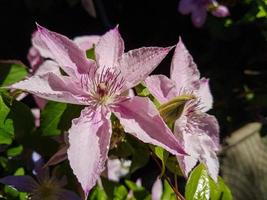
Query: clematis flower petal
{"points": [[183, 69], [146, 124], [89, 139], [86, 42], [109, 48], [65, 52], [200, 140], [157, 190], [202, 89], [21, 183], [40, 86], [48, 66], [137, 64], [67, 195], [161, 87], [186, 163]]}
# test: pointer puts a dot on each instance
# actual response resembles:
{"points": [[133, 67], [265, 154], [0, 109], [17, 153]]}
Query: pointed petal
{"points": [[210, 159], [21, 183], [68, 195], [200, 140], [86, 42], [137, 64], [161, 87], [202, 89], [157, 190], [61, 49], [41, 87], [59, 156], [34, 58], [186, 163], [89, 139], [146, 124], [183, 69], [47, 66], [109, 48]]}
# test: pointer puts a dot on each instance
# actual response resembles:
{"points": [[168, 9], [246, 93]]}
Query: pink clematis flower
{"points": [[102, 87], [195, 129], [199, 8], [39, 65]]}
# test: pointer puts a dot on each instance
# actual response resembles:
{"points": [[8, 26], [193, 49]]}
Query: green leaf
{"points": [[6, 128], [120, 193], [15, 151], [50, 118], [173, 166], [140, 155], [198, 186], [11, 72], [139, 191], [56, 117], [16, 120], [168, 193], [163, 155], [98, 193], [90, 53], [219, 191]]}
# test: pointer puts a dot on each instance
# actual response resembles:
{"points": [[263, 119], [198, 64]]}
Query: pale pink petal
{"points": [[137, 64], [36, 113], [161, 87], [157, 190], [186, 163], [41, 87], [202, 90], [200, 138], [47, 66], [117, 168], [146, 124], [34, 58], [109, 48], [86, 42], [64, 51], [40, 102], [59, 156], [210, 159], [89, 139], [183, 69]]}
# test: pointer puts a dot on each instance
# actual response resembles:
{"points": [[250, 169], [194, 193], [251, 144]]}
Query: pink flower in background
{"points": [[195, 129], [102, 86], [198, 10]]}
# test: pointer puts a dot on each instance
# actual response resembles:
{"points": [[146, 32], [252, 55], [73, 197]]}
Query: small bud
{"points": [[172, 110]]}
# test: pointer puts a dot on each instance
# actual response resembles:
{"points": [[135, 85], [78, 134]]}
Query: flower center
{"points": [[104, 86]]}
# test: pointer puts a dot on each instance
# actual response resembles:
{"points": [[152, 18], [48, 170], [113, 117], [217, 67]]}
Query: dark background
{"points": [[234, 58]]}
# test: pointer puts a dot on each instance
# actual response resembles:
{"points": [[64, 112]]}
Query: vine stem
{"points": [[178, 194]]}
